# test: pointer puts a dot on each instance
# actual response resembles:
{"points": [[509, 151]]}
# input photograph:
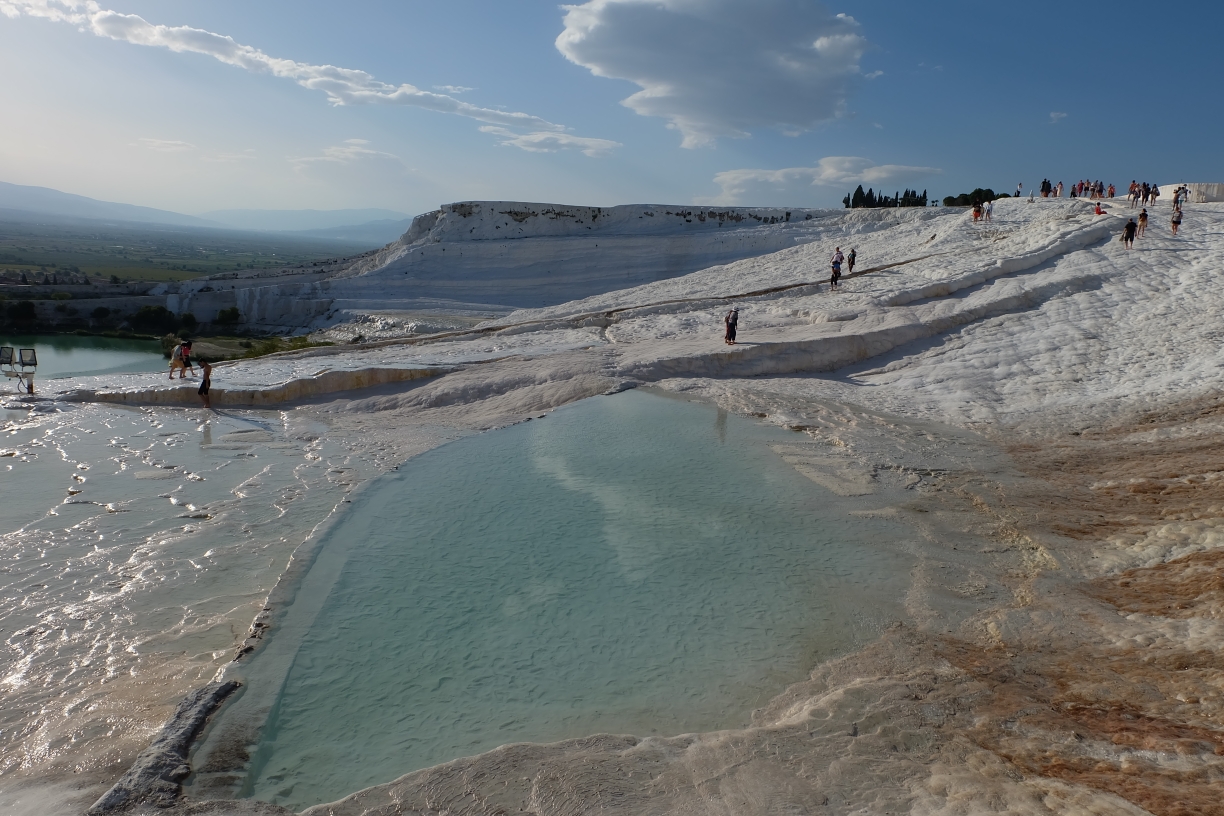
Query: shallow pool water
{"points": [[73, 355], [135, 547], [631, 564]]}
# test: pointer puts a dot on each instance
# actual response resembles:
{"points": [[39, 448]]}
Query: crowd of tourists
{"points": [[1147, 195], [1142, 194], [1084, 188]]}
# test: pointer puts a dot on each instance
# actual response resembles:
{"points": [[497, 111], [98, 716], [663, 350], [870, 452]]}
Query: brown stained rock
{"points": [[1126, 477], [1036, 712], [1188, 587]]}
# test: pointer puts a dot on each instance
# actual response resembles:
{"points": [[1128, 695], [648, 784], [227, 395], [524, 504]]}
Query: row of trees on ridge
{"points": [[910, 198]]}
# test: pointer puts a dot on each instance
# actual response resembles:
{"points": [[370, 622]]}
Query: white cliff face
{"points": [[483, 259], [534, 255], [494, 220], [488, 257]]}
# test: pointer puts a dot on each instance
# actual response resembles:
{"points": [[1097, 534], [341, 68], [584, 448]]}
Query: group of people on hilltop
{"points": [[1144, 194], [1136, 227], [1141, 195], [1093, 190]]}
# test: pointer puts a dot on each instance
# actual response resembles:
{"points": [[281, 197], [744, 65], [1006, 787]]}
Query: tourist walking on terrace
{"points": [[1143, 219], [205, 383], [187, 364], [1177, 218], [1128, 233], [180, 359], [989, 210], [731, 321], [850, 259], [836, 262]]}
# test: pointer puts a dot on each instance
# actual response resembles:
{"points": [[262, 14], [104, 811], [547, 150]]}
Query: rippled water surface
{"points": [[630, 564], [135, 548]]}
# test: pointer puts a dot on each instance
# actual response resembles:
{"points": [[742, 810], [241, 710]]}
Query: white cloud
{"points": [[767, 186], [716, 68], [550, 141], [355, 164], [453, 89], [352, 150], [341, 86], [873, 75], [229, 158], [1056, 117], [164, 145]]}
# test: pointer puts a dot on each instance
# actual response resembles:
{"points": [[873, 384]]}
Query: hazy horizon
{"points": [[198, 107]]}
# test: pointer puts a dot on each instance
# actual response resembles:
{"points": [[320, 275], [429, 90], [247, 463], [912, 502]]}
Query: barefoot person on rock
{"points": [[205, 383], [731, 321], [180, 359]]}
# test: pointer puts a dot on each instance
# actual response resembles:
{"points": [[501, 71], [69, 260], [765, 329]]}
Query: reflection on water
{"points": [[72, 355], [630, 564]]}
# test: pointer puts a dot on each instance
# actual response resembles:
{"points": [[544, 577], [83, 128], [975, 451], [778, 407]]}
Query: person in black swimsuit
{"points": [[1128, 233], [206, 367]]}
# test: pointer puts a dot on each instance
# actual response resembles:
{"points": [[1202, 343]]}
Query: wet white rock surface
{"points": [[1039, 326]]}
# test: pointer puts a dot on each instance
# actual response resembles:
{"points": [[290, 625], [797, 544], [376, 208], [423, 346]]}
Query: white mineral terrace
{"points": [[1038, 403]]}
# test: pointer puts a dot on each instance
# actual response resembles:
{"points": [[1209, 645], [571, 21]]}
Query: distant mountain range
{"points": [[66, 205], [374, 227]]}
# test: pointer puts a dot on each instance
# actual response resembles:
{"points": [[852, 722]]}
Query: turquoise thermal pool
{"points": [[71, 355], [629, 564]]}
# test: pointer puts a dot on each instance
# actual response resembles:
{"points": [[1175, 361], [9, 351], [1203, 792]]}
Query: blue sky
{"points": [[778, 102]]}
